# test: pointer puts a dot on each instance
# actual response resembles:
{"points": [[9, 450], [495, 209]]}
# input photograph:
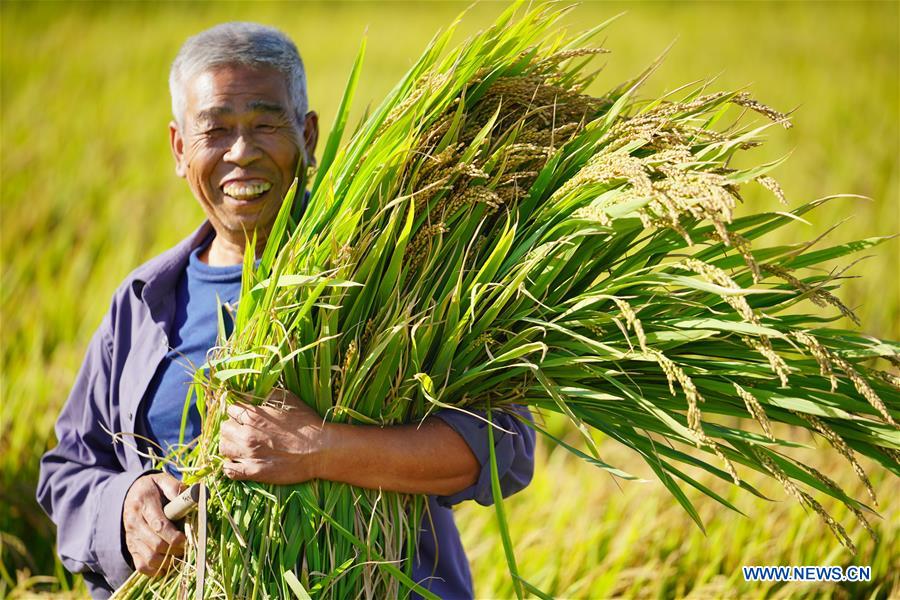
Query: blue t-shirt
{"points": [[193, 334]]}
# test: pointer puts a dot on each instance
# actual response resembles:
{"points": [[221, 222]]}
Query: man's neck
{"points": [[223, 252]]}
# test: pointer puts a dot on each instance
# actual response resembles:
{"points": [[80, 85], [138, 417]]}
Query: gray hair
{"points": [[238, 43]]}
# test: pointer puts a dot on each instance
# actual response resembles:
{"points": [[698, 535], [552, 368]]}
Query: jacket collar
{"points": [[154, 282], [155, 279]]}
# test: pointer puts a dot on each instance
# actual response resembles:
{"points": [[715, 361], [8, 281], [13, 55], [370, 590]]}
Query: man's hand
{"points": [[290, 444], [151, 538], [281, 442]]}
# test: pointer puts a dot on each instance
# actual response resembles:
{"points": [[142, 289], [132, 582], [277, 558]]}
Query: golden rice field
{"points": [[88, 192]]}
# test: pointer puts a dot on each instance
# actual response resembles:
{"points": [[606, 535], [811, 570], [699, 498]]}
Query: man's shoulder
{"points": [[151, 268], [161, 270]]}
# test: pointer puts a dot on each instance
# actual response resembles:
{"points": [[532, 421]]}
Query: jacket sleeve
{"points": [[82, 485], [514, 451]]}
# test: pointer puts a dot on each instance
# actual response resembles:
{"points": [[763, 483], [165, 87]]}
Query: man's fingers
{"points": [[132, 518], [155, 544], [242, 413], [149, 561], [241, 441], [234, 470], [160, 525], [155, 565], [228, 430], [233, 411], [152, 556], [154, 552], [239, 471], [140, 556], [170, 486], [154, 516], [177, 543], [227, 447], [149, 535]]}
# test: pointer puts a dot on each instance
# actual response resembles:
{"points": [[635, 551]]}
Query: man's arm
{"points": [[446, 456], [514, 442], [86, 490], [82, 484]]}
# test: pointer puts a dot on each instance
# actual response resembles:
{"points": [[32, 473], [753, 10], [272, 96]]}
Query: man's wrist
{"points": [[327, 452]]}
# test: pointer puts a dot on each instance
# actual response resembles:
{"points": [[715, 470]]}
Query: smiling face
{"points": [[239, 146]]}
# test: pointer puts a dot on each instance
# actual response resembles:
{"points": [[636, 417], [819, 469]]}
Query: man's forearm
{"points": [[287, 442], [427, 459]]}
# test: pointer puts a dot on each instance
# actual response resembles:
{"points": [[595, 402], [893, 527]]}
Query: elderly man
{"points": [[241, 132]]}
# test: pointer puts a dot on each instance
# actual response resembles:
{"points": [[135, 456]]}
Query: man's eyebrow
{"points": [[211, 113], [265, 107]]}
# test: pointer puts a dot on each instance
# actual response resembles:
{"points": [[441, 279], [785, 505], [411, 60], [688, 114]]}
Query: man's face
{"points": [[239, 145]]}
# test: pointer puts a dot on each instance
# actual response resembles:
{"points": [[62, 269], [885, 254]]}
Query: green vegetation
{"points": [[97, 199]]}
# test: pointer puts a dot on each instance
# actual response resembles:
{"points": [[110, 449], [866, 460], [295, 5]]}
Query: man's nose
{"points": [[242, 151]]}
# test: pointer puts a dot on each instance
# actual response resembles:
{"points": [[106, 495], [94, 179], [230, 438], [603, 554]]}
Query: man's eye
{"points": [[266, 128], [211, 129]]}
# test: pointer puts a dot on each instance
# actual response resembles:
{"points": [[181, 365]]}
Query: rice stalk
{"points": [[483, 239]]}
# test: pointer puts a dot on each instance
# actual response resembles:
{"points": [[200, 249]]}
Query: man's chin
{"points": [[237, 225], [237, 216]]}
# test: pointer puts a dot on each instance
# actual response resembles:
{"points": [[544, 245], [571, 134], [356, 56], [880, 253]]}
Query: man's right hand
{"points": [[152, 540]]}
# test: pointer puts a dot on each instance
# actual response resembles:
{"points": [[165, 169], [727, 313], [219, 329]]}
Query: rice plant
{"points": [[491, 235]]}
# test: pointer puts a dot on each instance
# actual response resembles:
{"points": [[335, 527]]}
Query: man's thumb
{"points": [[171, 487]]}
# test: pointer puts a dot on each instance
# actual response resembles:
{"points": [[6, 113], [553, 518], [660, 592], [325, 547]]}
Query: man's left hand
{"points": [[280, 442]]}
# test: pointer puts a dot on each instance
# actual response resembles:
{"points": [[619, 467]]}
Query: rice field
{"points": [[88, 193]]}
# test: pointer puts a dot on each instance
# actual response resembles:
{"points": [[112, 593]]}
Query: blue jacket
{"points": [[84, 479]]}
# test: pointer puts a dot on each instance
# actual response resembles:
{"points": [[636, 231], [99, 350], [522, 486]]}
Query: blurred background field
{"points": [[89, 193]]}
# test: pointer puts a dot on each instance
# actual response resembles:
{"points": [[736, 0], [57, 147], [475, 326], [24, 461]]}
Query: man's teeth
{"points": [[245, 191]]}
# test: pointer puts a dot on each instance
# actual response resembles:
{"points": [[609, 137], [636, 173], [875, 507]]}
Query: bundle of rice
{"points": [[491, 235]]}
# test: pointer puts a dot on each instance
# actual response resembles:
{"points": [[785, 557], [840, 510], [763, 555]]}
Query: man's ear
{"points": [[311, 137], [176, 142]]}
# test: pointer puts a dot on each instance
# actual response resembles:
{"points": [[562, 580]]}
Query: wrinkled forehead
{"points": [[230, 90]]}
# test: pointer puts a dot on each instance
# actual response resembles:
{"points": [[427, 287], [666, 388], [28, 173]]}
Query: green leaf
{"points": [[291, 580], [502, 524], [340, 119]]}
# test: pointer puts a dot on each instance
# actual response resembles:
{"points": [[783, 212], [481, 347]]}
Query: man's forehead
{"points": [[226, 90]]}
